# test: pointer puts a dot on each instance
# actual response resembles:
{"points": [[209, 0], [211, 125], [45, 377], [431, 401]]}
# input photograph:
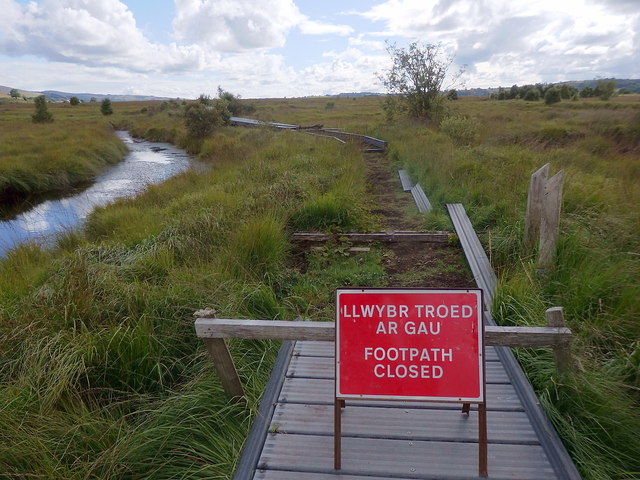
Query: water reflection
{"points": [[147, 163]]}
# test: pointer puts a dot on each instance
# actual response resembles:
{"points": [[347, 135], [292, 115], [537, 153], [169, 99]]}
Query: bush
{"points": [[461, 129], [74, 100], [201, 119], [552, 96], [532, 95], [105, 107], [604, 90], [234, 104], [42, 114]]}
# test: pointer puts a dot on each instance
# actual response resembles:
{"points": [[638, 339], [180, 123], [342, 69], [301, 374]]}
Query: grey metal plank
{"points": [[323, 367], [315, 349], [282, 475], [403, 458], [421, 198], [476, 257], [405, 180], [403, 423], [321, 391]]}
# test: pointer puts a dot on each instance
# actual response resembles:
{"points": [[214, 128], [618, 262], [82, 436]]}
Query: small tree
{"points": [[416, 76], [105, 107], [604, 90], [42, 114], [452, 94], [552, 95], [234, 104], [14, 93], [74, 101]]}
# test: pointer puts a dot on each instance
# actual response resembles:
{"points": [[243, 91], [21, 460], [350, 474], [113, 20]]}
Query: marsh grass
{"points": [[36, 158], [596, 274], [101, 375]]}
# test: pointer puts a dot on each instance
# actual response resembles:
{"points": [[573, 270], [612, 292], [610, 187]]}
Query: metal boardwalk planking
{"points": [[401, 440]]}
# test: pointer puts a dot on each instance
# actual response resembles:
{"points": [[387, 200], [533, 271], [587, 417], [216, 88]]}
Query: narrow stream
{"points": [[147, 163]]}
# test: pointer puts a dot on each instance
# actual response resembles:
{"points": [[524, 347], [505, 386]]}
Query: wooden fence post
{"points": [[561, 351], [534, 206], [550, 224], [223, 362]]}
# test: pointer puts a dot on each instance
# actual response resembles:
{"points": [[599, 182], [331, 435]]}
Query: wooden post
{"points": [[550, 225], [561, 351], [534, 206], [225, 368], [222, 360]]}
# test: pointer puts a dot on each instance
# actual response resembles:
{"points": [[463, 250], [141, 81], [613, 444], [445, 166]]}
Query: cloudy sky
{"points": [[277, 48]]}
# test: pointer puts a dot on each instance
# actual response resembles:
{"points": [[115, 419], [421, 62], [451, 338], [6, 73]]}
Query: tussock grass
{"points": [[597, 267], [101, 374]]}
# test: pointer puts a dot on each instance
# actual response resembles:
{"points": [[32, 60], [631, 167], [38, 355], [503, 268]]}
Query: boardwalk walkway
{"points": [[292, 438], [404, 440]]}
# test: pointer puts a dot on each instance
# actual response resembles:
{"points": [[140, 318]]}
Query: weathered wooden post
{"points": [[561, 350], [534, 206], [550, 224], [222, 361]]}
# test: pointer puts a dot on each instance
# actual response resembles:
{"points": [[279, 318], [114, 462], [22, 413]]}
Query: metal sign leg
{"points": [[483, 469], [337, 433]]}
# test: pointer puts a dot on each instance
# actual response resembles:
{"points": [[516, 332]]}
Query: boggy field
{"points": [[102, 375]]}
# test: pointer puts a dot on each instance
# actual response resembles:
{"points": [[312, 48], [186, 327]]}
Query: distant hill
{"points": [[57, 96]]}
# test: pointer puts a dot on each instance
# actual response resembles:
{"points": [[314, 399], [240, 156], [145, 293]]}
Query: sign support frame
{"points": [[340, 402]]}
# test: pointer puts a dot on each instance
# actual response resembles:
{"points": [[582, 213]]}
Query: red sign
{"points": [[409, 344]]}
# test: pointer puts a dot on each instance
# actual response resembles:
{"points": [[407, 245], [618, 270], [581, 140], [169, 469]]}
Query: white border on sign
{"points": [[481, 363]]}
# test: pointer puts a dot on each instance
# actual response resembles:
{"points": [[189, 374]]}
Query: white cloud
{"points": [[241, 25], [235, 25], [93, 33], [311, 27], [503, 41], [243, 44]]}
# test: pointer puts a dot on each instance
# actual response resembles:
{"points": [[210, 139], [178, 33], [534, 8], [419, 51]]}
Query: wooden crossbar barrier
{"points": [[214, 330], [397, 236], [536, 337]]}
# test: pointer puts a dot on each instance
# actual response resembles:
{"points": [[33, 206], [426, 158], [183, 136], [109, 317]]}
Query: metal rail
{"points": [[379, 145], [486, 279]]}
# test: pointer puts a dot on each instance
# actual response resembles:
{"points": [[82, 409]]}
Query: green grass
{"points": [[37, 158], [101, 375], [596, 274]]}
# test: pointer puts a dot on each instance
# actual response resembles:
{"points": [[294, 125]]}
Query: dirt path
{"points": [[411, 264]]}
